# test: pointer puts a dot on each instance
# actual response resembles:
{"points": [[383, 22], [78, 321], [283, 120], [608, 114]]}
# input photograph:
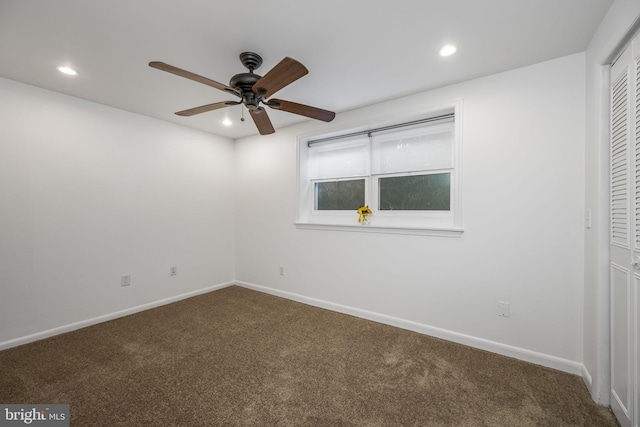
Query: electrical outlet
{"points": [[282, 271], [173, 270], [503, 309], [125, 280]]}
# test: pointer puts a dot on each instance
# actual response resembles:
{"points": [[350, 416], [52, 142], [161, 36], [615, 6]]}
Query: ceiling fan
{"points": [[254, 90]]}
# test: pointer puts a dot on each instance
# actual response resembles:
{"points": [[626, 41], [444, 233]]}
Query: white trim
{"points": [[104, 318], [621, 413], [586, 377], [601, 388], [542, 359], [441, 232], [617, 46]]}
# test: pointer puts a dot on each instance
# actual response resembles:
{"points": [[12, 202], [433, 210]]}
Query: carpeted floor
{"points": [[236, 357]]}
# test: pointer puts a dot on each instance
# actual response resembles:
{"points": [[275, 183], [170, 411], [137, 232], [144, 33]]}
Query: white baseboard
{"points": [[588, 380], [95, 320], [480, 343]]}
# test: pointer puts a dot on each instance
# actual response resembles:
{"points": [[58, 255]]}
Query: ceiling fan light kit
{"points": [[254, 90]]}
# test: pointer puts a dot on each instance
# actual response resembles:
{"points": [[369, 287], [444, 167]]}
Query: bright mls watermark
{"points": [[34, 415]]}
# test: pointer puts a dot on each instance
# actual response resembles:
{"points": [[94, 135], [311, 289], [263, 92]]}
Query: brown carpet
{"points": [[236, 357]]}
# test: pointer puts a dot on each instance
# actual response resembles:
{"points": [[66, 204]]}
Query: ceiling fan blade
{"points": [[261, 119], [191, 76], [286, 72], [303, 110], [205, 108]]}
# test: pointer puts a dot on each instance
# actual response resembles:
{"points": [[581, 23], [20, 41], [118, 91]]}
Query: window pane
{"points": [[416, 192], [339, 195]]}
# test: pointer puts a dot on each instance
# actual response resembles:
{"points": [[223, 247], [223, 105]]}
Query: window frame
{"points": [[439, 223]]}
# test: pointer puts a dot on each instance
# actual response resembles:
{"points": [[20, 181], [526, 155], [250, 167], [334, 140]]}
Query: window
{"points": [[408, 173], [339, 195], [429, 192]]}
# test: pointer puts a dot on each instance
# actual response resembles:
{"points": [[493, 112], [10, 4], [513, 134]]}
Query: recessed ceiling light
{"points": [[68, 70], [227, 122], [448, 50]]}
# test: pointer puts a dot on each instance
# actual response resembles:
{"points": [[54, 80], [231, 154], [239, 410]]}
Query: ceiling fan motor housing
{"points": [[245, 82]]}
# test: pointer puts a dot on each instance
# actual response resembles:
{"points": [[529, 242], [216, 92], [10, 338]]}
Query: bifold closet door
{"points": [[625, 232]]}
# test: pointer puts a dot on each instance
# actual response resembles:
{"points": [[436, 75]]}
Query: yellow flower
{"points": [[363, 211]]}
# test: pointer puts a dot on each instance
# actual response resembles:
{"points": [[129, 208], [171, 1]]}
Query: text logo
{"points": [[34, 415]]}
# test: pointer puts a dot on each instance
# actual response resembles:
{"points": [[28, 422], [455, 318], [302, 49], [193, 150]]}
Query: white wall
{"points": [[523, 198], [89, 193], [610, 33]]}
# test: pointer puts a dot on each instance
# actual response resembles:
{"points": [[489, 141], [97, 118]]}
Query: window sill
{"points": [[417, 231]]}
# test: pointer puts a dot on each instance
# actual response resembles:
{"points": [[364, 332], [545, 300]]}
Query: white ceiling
{"points": [[358, 52]]}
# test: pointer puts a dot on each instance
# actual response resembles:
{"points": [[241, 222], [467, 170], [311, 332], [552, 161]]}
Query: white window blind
{"points": [[411, 150], [339, 159]]}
